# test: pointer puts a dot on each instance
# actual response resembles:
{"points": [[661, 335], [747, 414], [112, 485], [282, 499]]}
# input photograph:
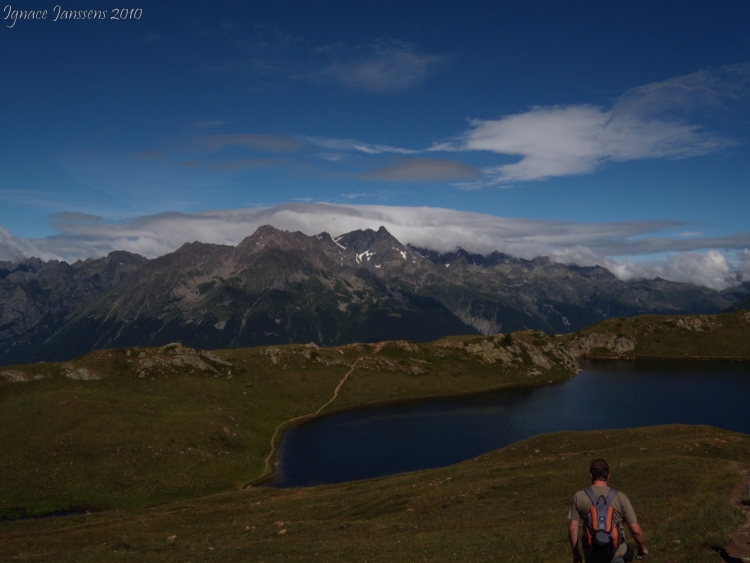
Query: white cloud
{"points": [[579, 255], [383, 66], [716, 88], [270, 55], [357, 146], [654, 121], [710, 269], [691, 260], [16, 249], [744, 268], [577, 139], [647, 122]]}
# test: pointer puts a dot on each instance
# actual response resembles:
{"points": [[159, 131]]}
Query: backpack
{"points": [[602, 536]]}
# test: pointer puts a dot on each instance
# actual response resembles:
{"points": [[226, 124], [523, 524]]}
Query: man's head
{"points": [[599, 470]]}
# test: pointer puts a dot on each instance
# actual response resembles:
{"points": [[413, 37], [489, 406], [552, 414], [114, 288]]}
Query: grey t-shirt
{"points": [[621, 507]]}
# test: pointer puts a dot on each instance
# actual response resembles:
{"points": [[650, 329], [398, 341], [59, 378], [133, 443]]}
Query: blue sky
{"points": [[609, 133]]}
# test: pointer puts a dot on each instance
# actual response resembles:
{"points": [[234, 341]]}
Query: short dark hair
{"points": [[599, 470]]}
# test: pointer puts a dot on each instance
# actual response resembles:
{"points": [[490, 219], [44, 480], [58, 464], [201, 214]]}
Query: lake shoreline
{"points": [[668, 364], [265, 480], [271, 478]]}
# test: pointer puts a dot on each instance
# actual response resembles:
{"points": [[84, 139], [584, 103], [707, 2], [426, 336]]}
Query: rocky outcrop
{"points": [[532, 347], [274, 354], [176, 357], [609, 343], [80, 374], [490, 351], [705, 323], [13, 376], [409, 347]]}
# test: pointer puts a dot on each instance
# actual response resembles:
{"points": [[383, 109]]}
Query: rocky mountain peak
{"points": [[278, 246], [125, 259], [324, 237], [368, 239], [374, 250], [362, 240], [268, 236], [262, 235]]}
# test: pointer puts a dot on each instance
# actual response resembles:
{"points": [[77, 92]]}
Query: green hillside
{"points": [[509, 505], [129, 428], [665, 337]]}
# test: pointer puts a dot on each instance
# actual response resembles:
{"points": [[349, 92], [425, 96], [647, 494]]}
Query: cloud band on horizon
{"points": [[617, 246]]}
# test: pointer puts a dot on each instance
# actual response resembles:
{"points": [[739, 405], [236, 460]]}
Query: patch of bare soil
{"points": [[739, 550]]}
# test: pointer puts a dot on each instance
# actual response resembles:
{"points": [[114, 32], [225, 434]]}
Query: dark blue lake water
{"points": [[375, 441]]}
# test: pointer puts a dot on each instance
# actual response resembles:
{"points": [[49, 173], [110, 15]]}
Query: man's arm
{"points": [[573, 537], [637, 533]]}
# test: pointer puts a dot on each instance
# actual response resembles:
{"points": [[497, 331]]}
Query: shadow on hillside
{"points": [[726, 557]]}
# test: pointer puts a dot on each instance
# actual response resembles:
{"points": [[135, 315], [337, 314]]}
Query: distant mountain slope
{"points": [[280, 287], [741, 305]]}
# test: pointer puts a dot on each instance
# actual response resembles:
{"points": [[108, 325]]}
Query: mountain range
{"points": [[279, 287]]}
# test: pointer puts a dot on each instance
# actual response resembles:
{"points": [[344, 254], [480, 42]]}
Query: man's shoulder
{"points": [[623, 498], [598, 491], [601, 490]]}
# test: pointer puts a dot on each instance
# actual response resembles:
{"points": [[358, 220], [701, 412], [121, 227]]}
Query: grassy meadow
{"points": [[167, 423], [160, 445], [509, 505]]}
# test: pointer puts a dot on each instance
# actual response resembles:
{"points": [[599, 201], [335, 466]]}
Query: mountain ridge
{"points": [[278, 287]]}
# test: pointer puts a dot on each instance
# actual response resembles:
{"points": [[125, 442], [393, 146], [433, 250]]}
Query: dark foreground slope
{"points": [[509, 505]]}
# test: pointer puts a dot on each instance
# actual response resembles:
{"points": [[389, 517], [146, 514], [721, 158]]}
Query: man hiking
{"points": [[603, 510]]}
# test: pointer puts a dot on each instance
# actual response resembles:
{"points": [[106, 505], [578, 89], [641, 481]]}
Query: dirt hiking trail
{"points": [[266, 466]]}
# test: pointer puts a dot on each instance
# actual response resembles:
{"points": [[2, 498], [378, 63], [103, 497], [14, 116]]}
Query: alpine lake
{"points": [[383, 440]]}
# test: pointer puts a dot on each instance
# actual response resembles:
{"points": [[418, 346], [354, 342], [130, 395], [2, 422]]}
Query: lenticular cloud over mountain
{"points": [[442, 230]]}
